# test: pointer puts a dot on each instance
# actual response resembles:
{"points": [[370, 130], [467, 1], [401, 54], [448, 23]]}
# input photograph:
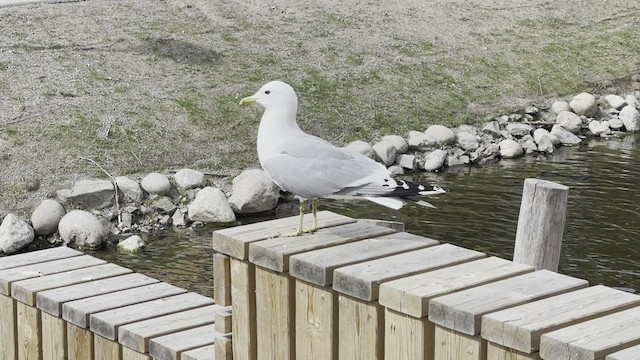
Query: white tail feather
{"points": [[390, 202]]}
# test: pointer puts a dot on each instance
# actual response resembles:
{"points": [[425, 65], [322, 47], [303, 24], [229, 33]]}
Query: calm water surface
{"points": [[602, 231]]}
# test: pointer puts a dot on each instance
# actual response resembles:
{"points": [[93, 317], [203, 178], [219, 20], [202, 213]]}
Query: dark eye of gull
{"points": [[268, 92]]}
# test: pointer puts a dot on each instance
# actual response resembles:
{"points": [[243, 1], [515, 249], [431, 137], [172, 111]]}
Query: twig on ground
{"points": [[113, 181]]}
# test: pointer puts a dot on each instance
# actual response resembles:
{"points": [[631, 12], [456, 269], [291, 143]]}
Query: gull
{"points": [[312, 168]]}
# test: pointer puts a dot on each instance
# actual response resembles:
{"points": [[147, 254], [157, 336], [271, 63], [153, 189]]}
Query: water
{"points": [[602, 232]]}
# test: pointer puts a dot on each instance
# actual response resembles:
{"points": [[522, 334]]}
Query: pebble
{"points": [[361, 147], [418, 140], [89, 193], [253, 192], [442, 134], [15, 234], [398, 142], [434, 160], [615, 101], [156, 183], [83, 229], [385, 152], [569, 121], [46, 216], [130, 188], [131, 244], [510, 149], [211, 206], [630, 117], [584, 104], [189, 179], [565, 137]]}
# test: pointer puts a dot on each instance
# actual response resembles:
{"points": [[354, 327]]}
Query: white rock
{"points": [[396, 170], [406, 161], [361, 147], [14, 234], [545, 145], [510, 149], [434, 160], [130, 188], [633, 101], [46, 216], [467, 141], [528, 144], [253, 192], [538, 134], [584, 104], [569, 121], [91, 193], [492, 128], [630, 117], [420, 141], [559, 106], [385, 152], [519, 129], [615, 101], [210, 205], [83, 229], [442, 134], [398, 142], [189, 179], [565, 137], [156, 183], [131, 244], [163, 205], [491, 150], [531, 110], [597, 128], [468, 129], [615, 124], [452, 160], [178, 219]]}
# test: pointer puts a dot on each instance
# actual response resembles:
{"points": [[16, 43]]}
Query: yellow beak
{"points": [[247, 100]]}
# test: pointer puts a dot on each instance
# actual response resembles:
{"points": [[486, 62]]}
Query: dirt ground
{"points": [[153, 85]]}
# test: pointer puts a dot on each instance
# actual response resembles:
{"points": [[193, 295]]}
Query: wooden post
{"points": [[221, 279], [8, 317], [243, 317], [541, 224]]}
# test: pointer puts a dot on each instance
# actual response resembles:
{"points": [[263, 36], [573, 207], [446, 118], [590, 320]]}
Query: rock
{"points": [[630, 117], [615, 124], [210, 205], [467, 129], [615, 101], [434, 160], [442, 134], [385, 152], [253, 192], [131, 244], [156, 183], [559, 106], [565, 137], [503, 120], [406, 161], [14, 234], [467, 141], [452, 160], [492, 128], [518, 129], [531, 110], [361, 147], [130, 188], [528, 144], [398, 142], [163, 205], [545, 145], [584, 104], [189, 179], [597, 128], [178, 219], [92, 194], [420, 141], [569, 121], [46, 216], [510, 149], [538, 134], [515, 117], [633, 101], [83, 229], [396, 170], [635, 77]]}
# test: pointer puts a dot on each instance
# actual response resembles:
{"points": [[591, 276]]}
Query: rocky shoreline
{"points": [[121, 208]]}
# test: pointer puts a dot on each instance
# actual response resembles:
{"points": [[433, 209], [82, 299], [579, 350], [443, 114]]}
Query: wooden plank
{"points": [[235, 241], [105, 349], [128, 354], [51, 301], [274, 254], [363, 280], [223, 348], [79, 343], [451, 344], [316, 322], [223, 320], [462, 311], [275, 311], [395, 225], [136, 335], [221, 279], [9, 276], [54, 337], [632, 353], [499, 352], [317, 266], [593, 339], [29, 332], [407, 338], [411, 295], [25, 290], [360, 329], [520, 327], [77, 312], [171, 347], [38, 256], [243, 297], [8, 315], [201, 353], [106, 323]]}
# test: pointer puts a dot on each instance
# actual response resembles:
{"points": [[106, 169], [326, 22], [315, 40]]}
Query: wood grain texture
{"points": [[38, 256], [520, 327], [316, 322], [317, 266], [171, 346], [29, 332], [362, 280], [407, 338], [105, 349], [8, 342], [274, 254], [451, 345], [221, 279], [223, 320], [243, 298], [79, 343], [462, 311], [499, 352], [54, 337], [201, 353], [128, 354], [223, 347], [632, 353], [395, 225], [541, 224], [275, 308], [411, 295], [360, 329], [235, 241]]}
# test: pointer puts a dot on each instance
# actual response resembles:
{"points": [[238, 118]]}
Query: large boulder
{"points": [[90, 193], [253, 192], [565, 137], [510, 149], [434, 160], [442, 134], [46, 216], [584, 104], [385, 152], [130, 188], [14, 234], [210, 205], [189, 179], [420, 141], [398, 142], [361, 147], [630, 117], [569, 121], [82, 229], [156, 183]]}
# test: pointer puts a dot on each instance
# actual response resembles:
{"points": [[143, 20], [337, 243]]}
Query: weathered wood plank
{"points": [[221, 279], [8, 342], [360, 328], [136, 335], [316, 322], [79, 343], [462, 311], [29, 332], [520, 327], [243, 296], [632, 353], [407, 338], [171, 347], [223, 347], [593, 339], [223, 320], [451, 345], [25, 290], [106, 323], [499, 352], [51, 300], [235, 241], [275, 310], [77, 312], [128, 354], [38, 256], [54, 337], [274, 253], [395, 225], [9, 276], [363, 280], [201, 353], [105, 349], [411, 295], [317, 266]]}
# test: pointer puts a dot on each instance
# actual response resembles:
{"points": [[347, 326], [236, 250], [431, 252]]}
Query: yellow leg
{"points": [[314, 207], [299, 232]]}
